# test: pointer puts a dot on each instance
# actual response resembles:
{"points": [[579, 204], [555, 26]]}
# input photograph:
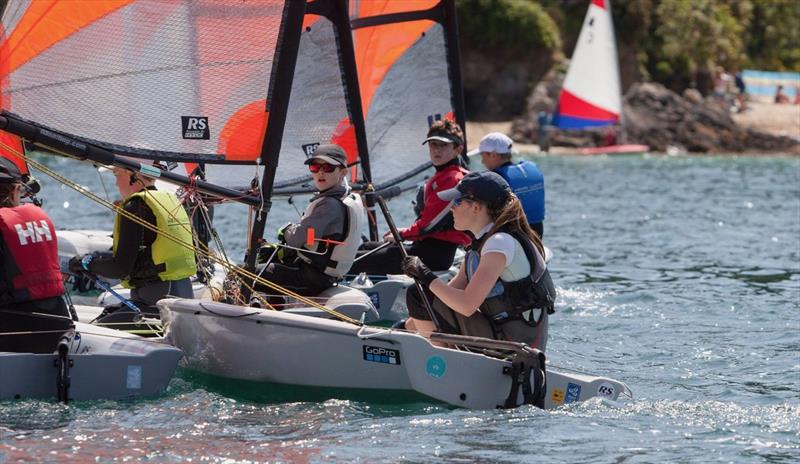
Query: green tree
{"points": [[773, 36], [516, 26], [697, 35]]}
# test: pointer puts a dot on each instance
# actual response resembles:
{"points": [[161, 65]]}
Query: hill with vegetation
{"points": [[509, 45]]}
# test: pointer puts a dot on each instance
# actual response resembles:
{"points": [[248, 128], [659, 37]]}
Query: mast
{"points": [[453, 50], [337, 12], [278, 94]]}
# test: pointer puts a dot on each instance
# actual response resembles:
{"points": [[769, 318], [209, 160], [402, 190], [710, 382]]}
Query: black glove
{"points": [[75, 265], [415, 268]]}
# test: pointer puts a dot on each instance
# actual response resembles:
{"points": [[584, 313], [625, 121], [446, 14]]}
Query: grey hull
{"points": [[105, 364], [272, 347]]}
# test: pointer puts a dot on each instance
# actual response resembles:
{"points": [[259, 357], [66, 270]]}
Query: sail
{"points": [[591, 96], [318, 110], [407, 78], [184, 81]]}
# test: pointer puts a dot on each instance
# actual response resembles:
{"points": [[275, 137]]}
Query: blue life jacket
{"points": [[527, 182]]}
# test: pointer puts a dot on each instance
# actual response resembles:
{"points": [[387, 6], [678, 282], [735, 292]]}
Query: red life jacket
{"points": [[29, 250], [436, 220]]}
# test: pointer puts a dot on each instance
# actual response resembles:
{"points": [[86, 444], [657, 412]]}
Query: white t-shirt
{"points": [[517, 265]]}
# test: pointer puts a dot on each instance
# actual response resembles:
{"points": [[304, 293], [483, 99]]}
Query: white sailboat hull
{"points": [[243, 343]]}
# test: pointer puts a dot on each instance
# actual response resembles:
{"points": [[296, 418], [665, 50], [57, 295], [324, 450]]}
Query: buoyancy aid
{"points": [[512, 308], [29, 248], [172, 261], [337, 258], [434, 218], [527, 183]]}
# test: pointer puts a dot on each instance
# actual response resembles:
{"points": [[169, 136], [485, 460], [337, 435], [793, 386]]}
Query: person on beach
{"points": [[150, 263], [335, 214], [33, 313], [524, 177], [432, 236], [780, 96], [503, 289]]}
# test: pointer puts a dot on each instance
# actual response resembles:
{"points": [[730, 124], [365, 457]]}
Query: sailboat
{"points": [[590, 96], [249, 89]]}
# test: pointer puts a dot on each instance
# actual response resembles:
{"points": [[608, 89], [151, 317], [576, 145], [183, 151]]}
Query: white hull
{"points": [[272, 347], [105, 364]]}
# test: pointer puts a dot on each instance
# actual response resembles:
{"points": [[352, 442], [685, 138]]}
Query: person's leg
{"points": [[384, 261], [24, 331], [180, 288], [438, 255], [419, 318]]}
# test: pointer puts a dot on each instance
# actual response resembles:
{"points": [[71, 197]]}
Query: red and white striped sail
{"points": [[591, 94]]}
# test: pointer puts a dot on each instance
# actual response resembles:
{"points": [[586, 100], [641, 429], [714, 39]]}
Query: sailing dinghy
{"points": [[249, 89], [91, 363], [591, 95]]}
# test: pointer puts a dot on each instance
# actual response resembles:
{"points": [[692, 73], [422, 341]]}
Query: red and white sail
{"points": [[591, 95]]}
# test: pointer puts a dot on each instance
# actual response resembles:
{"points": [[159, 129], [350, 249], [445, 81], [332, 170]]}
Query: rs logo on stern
{"points": [[381, 355]]}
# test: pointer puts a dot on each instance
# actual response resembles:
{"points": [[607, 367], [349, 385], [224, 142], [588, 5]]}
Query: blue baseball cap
{"points": [[486, 186]]}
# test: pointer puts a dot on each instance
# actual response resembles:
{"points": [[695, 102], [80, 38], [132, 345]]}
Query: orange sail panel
{"points": [[147, 78]]}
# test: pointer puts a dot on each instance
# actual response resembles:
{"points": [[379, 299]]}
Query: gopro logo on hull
{"points": [[381, 355], [195, 127]]}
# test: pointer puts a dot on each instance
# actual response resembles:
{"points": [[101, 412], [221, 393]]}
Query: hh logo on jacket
{"points": [[36, 231]]}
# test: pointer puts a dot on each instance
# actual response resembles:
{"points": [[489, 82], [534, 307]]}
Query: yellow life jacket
{"points": [[177, 260]]}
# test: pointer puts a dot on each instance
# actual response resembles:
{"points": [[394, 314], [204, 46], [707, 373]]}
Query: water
{"points": [[677, 275]]}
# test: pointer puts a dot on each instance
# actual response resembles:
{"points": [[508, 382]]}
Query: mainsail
{"points": [[409, 75], [591, 96], [236, 85]]}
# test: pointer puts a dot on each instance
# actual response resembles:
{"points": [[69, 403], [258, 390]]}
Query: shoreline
{"points": [[766, 117]]}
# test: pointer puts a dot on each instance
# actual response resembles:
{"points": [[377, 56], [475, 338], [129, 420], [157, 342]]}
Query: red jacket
{"points": [[435, 212], [29, 251]]}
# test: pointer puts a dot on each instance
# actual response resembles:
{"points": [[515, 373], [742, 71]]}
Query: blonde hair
{"points": [[512, 215]]}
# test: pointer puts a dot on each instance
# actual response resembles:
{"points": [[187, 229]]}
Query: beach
{"points": [[767, 117]]}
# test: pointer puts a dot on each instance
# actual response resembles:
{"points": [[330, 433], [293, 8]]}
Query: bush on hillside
{"points": [[517, 26]]}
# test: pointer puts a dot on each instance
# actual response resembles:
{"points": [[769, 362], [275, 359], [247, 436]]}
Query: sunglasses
{"points": [[325, 167]]}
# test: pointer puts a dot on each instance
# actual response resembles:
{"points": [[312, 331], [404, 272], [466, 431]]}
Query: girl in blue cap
{"points": [[503, 289]]}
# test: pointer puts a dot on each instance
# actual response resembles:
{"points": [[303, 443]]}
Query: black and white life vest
{"points": [[512, 308], [338, 258]]}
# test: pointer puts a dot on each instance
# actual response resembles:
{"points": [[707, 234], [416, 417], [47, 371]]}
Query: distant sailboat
{"points": [[591, 95]]}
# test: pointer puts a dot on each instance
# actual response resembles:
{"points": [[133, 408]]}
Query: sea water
{"points": [[677, 275]]}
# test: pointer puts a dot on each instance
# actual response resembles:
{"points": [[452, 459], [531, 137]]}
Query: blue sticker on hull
{"points": [[375, 298], [573, 393], [436, 366]]}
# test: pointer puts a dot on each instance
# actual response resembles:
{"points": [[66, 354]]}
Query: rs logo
{"points": [[33, 231], [196, 124]]}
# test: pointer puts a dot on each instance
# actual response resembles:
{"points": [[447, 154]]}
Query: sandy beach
{"points": [[764, 116]]}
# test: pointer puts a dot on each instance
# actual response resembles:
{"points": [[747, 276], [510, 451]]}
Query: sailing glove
{"points": [[415, 268], [281, 232], [79, 264]]}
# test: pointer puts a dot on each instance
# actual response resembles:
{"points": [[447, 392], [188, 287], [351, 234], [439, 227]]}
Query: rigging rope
{"points": [[203, 250]]}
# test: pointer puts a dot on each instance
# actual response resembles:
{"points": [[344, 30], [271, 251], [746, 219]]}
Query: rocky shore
{"points": [[668, 122]]}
